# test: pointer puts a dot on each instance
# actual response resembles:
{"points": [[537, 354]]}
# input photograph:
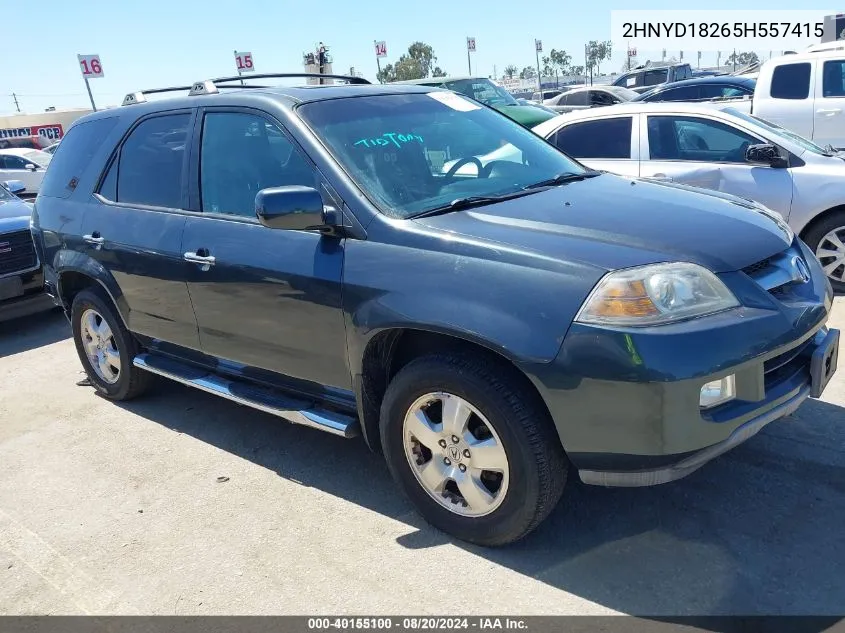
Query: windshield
{"points": [[395, 147], [778, 130], [482, 90], [5, 194], [42, 159]]}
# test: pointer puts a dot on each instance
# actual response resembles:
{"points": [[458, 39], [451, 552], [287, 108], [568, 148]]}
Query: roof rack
{"points": [[210, 86]]}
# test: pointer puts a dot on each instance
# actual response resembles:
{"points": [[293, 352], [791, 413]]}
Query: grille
{"points": [[759, 267], [783, 359], [17, 252]]}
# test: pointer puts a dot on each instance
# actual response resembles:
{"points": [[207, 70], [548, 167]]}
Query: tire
{"points": [[500, 406], [128, 381], [814, 236]]}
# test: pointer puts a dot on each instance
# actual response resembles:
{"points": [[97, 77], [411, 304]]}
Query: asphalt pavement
{"points": [[183, 503]]}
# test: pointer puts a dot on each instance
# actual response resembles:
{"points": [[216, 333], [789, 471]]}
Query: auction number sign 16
{"points": [[243, 62], [90, 66]]}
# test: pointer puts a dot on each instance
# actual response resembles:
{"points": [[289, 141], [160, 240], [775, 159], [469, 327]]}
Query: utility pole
{"points": [[17, 106], [538, 46]]}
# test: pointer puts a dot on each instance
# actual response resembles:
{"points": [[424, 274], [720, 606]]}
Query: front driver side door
{"points": [[710, 154], [269, 300]]}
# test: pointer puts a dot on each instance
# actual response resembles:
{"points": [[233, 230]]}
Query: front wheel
{"points": [[827, 240], [472, 447]]}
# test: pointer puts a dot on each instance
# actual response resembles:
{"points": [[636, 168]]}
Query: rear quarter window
{"points": [[791, 81], [74, 155]]}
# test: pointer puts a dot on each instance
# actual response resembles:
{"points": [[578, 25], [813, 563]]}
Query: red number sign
{"points": [[90, 66], [243, 62], [381, 49]]}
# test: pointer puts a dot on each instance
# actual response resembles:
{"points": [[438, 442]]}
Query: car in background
{"points": [[490, 94], [25, 165], [701, 89], [51, 149], [645, 78], [721, 149], [522, 101], [22, 290], [540, 97], [585, 97]]}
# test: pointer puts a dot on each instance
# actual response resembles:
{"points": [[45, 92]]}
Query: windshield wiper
{"points": [[467, 203], [563, 178]]}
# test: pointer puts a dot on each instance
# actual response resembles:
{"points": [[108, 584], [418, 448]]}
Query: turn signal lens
{"points": [[656, 294]]}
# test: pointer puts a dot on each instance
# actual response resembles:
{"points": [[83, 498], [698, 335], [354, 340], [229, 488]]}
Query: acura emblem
{"points": [[5, 247], [800, 271]]}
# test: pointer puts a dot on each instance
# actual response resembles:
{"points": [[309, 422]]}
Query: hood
{"points": [[14, 215], [527, 115], [613, 222]]}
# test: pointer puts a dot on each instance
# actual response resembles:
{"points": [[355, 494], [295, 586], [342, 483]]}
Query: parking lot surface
{"points": [[183, 503]]}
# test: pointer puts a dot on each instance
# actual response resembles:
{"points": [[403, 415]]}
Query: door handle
{"points": [[94, 238], [829, 112], [205, 261]]}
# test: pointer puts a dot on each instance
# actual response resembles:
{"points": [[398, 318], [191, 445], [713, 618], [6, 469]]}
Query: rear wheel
{"points": [[105, 347], [827, 240], [472, 448]]}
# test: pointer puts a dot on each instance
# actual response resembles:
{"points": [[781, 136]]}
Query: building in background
{"points": [[834, 27], [37, 130]]}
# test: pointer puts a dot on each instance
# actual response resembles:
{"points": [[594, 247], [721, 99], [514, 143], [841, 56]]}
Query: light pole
{"points": [[538, 48]]}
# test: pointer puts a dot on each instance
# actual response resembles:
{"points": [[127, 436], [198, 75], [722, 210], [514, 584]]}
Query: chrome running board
{"points": [[256, 397]]}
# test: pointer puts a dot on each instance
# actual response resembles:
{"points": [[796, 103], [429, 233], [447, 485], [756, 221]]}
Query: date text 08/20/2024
{"points": [[416, 623]]}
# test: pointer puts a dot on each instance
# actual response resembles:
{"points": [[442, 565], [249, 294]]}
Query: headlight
{"points": [[656, 294]]}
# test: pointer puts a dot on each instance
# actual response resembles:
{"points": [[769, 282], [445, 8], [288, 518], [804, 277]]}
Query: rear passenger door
{"points": [[788, 99], [829, 125], [609, 144], [134, 230], [270, 299]]}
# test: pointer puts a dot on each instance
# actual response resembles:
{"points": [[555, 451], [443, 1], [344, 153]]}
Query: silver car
{"points": [[713, 148]]}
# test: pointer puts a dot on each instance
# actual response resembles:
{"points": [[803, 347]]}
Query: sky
{"points": [[155, 43]]}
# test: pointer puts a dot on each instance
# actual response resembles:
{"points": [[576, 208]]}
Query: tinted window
{"points": [[694, 139], [599, 98], [411, 153], [576, 98], [73, 155], [686, 93], [654, 77], [605, 138], [241, 155], [791, 81], [108, 189], [12, 162], [833, 82], [149, 170]]}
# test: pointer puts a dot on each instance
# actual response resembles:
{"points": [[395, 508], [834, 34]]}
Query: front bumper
{"points": [[626, 401], [25, 306]]}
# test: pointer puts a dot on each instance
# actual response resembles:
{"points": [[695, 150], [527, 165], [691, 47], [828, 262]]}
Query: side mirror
{"points": [[15, 186], [294, 208], [31, 167], [764, 154]]}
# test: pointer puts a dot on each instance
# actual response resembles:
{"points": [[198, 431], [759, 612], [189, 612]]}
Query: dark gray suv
{"points": [[303, 251]]}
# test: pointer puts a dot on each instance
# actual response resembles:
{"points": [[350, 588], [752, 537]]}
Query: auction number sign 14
{"points": [[91, 68], [243, 62]]}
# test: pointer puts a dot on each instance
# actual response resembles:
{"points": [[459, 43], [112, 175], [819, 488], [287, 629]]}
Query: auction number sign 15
{"points": [[90, 66], [243, 62]]}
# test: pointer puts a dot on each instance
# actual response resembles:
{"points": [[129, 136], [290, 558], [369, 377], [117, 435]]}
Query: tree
{"points": [[576, 70], [418, 63], [742, 59], [561, 61], [597, 52], [547, 70], [527, 73], [510, 71]]}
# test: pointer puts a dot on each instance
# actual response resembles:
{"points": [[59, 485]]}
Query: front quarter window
{"points": [[410, 153]]}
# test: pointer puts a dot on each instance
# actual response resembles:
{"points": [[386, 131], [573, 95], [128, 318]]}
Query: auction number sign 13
{"points": [[90, 66], [243, 62]]}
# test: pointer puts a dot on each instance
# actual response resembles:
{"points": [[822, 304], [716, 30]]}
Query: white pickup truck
{"points": [[804, 93]]}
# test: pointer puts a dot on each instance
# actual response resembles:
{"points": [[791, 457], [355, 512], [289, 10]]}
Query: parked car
{"points": [[484, 90], [590, 97], [541, 97], [645, 78], [701, 89], [26, 165], [482, 332], [721, 149], [537, 105], [51, 149], [21, 278]]}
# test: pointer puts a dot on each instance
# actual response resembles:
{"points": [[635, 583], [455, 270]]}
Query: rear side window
{"points": [[654, 77], [791, 81], [150, 164], [833, 82], [73, 155], [604, 138]]}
